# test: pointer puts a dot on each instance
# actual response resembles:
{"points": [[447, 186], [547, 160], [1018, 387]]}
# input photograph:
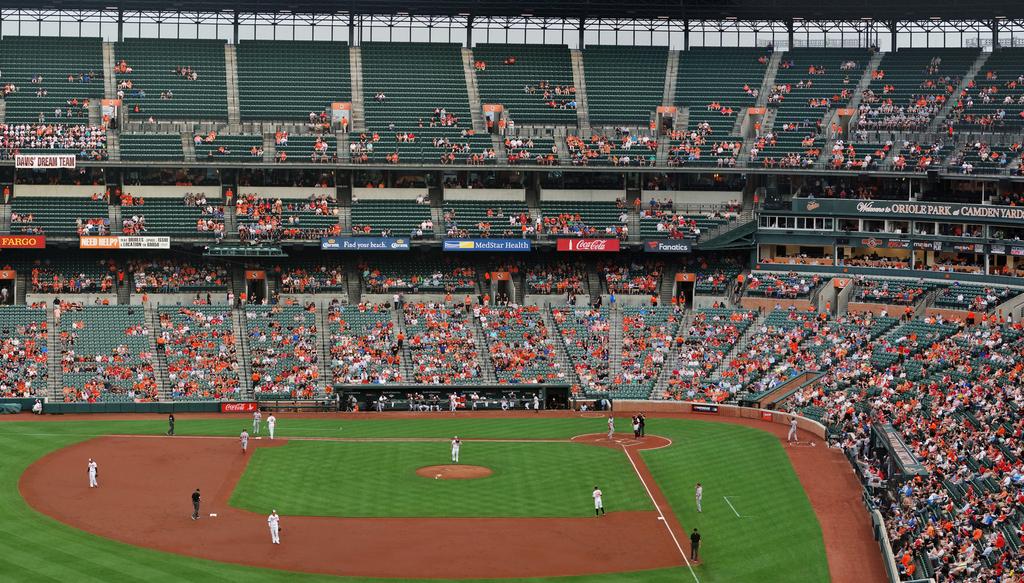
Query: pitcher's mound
{"points": [[454, 472]]}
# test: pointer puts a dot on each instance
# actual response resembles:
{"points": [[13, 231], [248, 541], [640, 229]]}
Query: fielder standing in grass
{"points": [[699, 493], [195, 505], [792, 430], [456, 446], [598, 503], [271, 424], [257, 417], [274, 522], [94, 474], [244, 440]]}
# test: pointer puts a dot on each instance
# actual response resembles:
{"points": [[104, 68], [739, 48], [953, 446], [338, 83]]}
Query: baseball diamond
{"points": [[490, 291]]}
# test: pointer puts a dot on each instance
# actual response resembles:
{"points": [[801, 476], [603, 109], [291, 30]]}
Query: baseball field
{"points": [[355, 507]]}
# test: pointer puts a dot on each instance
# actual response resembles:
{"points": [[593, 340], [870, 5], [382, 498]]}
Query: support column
{"points": [[789, 33], [234, 28], [995, 38], [892, 35], [469, 31], [686, 35], [582, 30], [351, 30], [120, 25]]}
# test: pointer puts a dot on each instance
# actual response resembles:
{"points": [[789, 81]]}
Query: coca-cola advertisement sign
{"points": [[242, 407], [588, 245]]}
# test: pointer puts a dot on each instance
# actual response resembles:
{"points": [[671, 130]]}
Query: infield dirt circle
{"points": [[454, 472]]}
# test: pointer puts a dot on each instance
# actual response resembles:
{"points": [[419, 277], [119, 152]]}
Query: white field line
{"points": [[731, 506], [661, 517]]}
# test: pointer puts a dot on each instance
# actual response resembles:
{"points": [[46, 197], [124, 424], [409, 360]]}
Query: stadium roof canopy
{"points": [[879, 10]]}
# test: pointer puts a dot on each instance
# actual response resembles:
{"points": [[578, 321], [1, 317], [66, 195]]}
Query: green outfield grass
{"points": [[371, 479], [777, 540]]}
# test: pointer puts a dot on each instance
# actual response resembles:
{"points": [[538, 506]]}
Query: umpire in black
{"points": [[195, 505], [170, 424], [694, 542]]}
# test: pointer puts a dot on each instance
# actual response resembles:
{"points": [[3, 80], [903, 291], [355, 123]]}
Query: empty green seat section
{"points": [[733, 68], [400, 217], [517, 85], [416, 79], [56, 215], [973, 297], [287, 80], [106, 354], [71, 68], [625, 85], [235, 149], [154, 63], [147, 147], [437, 145]]}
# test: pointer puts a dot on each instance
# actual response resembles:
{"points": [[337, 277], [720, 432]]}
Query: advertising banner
{"points": [[703, 408], [587, 245], [364, 244], [241, 407], [124, 242], [58, 161], [22, 241], [498, 245], [667, 247], [883, 209]]}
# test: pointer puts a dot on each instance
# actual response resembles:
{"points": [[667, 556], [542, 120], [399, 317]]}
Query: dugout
{"points": [[480, 397]]}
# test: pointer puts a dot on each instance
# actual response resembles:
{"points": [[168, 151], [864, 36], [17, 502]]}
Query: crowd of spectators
{"points": [[261, 219], [301, 280], [556, 278], [201, 351], [171, 276], [364, 346], [84, 141], [24, 353], [637, 278], [442, 344], [283, 350], [776, 285], [520, 344]]}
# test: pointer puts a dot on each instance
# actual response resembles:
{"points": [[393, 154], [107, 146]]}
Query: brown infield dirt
{"points": [[146, 483], [454, 472]]}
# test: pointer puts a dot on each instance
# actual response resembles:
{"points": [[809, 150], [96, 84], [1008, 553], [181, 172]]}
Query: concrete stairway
{"points": [[231, 70], [475, 108], [355, 57], [269, 148], [113, 145], [579, 80], [188, 149], [594, 283], [109, 83], [614, 341], [163, 383], [3, 110], [398, 317], [243, 355], [55, 380], [671, 78], [353, 285], [561, 354], [324, 346], [769, 79], [483, 354]]}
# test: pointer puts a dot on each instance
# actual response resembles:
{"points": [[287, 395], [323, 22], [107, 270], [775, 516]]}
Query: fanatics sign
{"points": [[587, 245]]}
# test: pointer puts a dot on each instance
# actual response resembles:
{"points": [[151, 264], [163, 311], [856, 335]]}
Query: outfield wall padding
{"points": [[768, 416]]}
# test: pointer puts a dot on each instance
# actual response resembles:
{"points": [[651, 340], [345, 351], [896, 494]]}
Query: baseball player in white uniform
{"points": [[94, 471], [244, 439], [792, 430], [456, 446], [598, 504], [257, 417], [274, 522], [271, 423], [453, 402], [611, 427], [699, 493], [536, 403]]}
